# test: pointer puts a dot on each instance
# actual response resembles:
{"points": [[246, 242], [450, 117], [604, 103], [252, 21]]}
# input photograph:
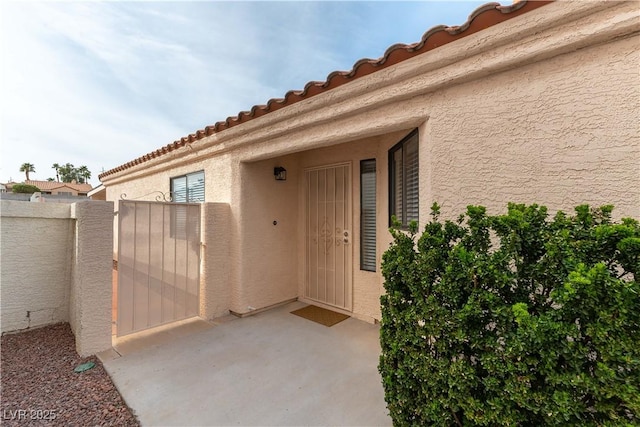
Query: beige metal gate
{"points": [[158, 264], [328, 255]]}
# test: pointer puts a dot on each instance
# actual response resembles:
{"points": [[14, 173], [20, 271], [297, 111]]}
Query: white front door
{"points": [[328, 235]]}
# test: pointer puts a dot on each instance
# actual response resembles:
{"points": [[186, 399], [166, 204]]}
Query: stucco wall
{"points": [[541, 109], [560, 133], [215, 287], [91, 291], [37, 248], [146, 184], [271, 250], [56, 267]]}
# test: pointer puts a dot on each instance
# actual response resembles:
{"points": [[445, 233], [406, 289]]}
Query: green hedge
{"points": [[518, 319]]}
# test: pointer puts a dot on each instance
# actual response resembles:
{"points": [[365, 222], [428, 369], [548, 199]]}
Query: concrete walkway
{"points": [[273, 369]]}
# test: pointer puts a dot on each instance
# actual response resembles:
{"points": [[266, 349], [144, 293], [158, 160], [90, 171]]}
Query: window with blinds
{"points": [[188, 188], [368, 215], [403, 180]]}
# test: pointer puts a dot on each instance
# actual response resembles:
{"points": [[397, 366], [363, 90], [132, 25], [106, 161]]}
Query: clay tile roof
{"points": [[53, 185], [483, 17]]}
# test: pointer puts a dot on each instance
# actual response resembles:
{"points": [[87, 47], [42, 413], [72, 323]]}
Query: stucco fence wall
{"points": [[56, 267]]}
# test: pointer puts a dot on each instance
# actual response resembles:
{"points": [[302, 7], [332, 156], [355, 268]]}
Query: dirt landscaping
{"points": [[40, 387]]}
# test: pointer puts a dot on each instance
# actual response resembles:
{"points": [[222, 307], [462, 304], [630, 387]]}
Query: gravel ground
{"points": [[40, 387]]}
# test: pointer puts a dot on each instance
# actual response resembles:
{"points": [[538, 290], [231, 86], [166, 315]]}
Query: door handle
{"points": [[345, 239]]}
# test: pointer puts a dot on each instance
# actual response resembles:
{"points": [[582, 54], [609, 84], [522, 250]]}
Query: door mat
{"points": [[320, 315]]}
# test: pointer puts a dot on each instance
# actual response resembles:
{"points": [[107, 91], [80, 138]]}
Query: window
{"points": [[185, 223], [403, 180], [368, 215], [188, 188]]}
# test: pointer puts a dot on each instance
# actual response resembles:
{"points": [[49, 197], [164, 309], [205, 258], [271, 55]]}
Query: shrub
{"points": [[516, 319], [24, 188]]}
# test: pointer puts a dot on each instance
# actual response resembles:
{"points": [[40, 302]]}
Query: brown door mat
{"points": [[320, 315]]}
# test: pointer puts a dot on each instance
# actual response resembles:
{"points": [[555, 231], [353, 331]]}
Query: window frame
{"points": [[365, 262], [182, 225], [187, 197], [403, 219]]}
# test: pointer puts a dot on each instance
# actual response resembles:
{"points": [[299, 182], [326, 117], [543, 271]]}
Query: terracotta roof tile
{"points": [[483, 17], [53, 185]]}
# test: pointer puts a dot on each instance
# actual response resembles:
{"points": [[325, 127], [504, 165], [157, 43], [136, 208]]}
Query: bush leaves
{"points": [[515, 319]]}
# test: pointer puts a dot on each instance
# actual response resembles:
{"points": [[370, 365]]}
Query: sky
{"points": [[102, 83]]}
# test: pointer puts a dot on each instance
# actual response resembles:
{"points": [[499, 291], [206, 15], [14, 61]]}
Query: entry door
{"points": [[328, 235]]}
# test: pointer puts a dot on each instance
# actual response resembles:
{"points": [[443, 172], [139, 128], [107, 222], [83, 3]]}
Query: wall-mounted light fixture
{"points": [[280, 173]]}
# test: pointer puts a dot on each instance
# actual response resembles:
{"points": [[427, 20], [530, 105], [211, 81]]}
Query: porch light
{"points": [[280, 173]]}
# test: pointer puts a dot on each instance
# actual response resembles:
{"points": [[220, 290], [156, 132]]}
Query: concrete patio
{"points": [[273, 368]]}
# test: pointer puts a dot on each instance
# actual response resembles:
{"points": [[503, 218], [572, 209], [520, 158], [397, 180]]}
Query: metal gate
{"points": [[158, 264]]}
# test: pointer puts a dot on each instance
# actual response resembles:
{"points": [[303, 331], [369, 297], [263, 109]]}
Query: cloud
{"points": [[102, 83]]}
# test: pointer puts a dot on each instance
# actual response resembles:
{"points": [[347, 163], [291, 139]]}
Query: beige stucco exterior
{"points": [[56, 267], [37, 250], [543, 108]]}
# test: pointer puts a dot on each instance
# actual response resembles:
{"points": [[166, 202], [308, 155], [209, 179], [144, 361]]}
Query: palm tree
{"points": [[67, 172], [26, 168], [84, 174], [57, 168]]}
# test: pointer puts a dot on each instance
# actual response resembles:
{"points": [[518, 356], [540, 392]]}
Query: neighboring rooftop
{"points": [[54, 185], [483, 17]]}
